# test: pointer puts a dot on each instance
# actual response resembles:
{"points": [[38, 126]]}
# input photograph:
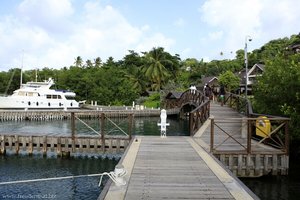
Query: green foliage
{"points": [[121, 82], [153, 101], [155, 69], [277, 91], [229, 80]]}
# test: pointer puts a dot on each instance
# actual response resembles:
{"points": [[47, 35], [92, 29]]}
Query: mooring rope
{"points": [[112, 175], [48, 179]]}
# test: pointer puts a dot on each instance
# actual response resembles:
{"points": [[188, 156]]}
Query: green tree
{"points": [[277, 91], [78, 61], [230, 81], [89, 63], [98, 62], [137, 78], [154, 68]]}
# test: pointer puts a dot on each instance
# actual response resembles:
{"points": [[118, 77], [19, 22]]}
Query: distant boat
{"points": [[38, 95]]}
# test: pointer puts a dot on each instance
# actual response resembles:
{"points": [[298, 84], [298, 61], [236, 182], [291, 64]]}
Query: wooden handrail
{"points": [[241, 104], [198, 116]]}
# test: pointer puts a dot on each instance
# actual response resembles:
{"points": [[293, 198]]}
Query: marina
{"points": [[170, 155], [147, 155]]}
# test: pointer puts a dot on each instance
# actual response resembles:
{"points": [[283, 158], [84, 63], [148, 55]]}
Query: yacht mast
{"points": [[21, 77]]}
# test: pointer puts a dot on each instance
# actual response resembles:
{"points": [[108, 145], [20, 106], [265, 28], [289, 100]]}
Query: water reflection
{"points": [[141, 126], [35, 167], [277, 187]]}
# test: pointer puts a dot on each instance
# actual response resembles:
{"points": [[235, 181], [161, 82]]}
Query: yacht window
{"points": [[37, 103], [59, 97], [21, 93], [48, 96], [49, 104], [29, 103], [54, 96]]}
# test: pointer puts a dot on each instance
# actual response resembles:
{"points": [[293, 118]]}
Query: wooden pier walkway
{"points": [[174, 168], [230, 145]]}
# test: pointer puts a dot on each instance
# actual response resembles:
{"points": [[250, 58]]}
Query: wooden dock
{"points": [[62, 145], [46, 115], [174, 168], [229, 143]]}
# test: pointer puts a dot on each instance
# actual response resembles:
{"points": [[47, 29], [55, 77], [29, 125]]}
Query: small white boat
{"points": [[38, 95]]}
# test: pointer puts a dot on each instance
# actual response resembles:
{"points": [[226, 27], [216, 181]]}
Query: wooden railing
{"points": [[237, 102], [99, 141], [198, 116], [194, 97], [277, 136]]}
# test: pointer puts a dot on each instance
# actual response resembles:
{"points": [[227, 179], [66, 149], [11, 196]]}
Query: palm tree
{"points": [[137, 78], [155, 69], [98, 62], [89, 63], [78, 61]]}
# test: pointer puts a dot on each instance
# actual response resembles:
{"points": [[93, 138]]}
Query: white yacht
{"points": [[38, 95]]}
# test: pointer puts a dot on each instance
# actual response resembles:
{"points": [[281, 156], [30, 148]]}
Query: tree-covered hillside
{"points": [[137, 74]]}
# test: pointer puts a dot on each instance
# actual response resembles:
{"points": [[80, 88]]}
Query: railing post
{"points": [[102, 132], [191, 123], [287, 137], [73, 130], [212, 125], [130, 125], [249, 135], [238, 103]]}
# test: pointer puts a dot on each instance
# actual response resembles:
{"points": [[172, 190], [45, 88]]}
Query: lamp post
{"points": [[247, 38]]}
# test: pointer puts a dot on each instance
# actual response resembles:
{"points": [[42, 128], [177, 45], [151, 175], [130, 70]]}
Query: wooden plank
{"points": [[170, 168]]}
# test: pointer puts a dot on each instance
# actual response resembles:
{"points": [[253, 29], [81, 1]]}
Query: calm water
{"points": [[13, 168], [26, 167], [277, 187], [141, 126]]}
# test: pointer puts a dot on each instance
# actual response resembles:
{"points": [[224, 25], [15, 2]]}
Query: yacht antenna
{"points": [[21, 77]]}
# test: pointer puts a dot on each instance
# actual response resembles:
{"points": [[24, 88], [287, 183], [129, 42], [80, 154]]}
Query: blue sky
{"points": [[52, 33]]}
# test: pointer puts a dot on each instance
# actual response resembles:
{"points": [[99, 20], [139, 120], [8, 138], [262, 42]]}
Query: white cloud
{"points": [[262, 19], [156, 40], [51, 15], [234, 18], [52, 33], [280, 18]]}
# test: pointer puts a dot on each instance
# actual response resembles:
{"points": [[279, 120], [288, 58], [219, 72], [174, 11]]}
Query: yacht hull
{"points": [[10, 102]]}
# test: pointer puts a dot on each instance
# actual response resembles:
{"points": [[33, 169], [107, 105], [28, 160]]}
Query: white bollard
{"points": [[163, 123]]}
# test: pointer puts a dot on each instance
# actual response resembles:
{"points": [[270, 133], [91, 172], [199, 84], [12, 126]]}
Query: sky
{"points": [[52, 33]]}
